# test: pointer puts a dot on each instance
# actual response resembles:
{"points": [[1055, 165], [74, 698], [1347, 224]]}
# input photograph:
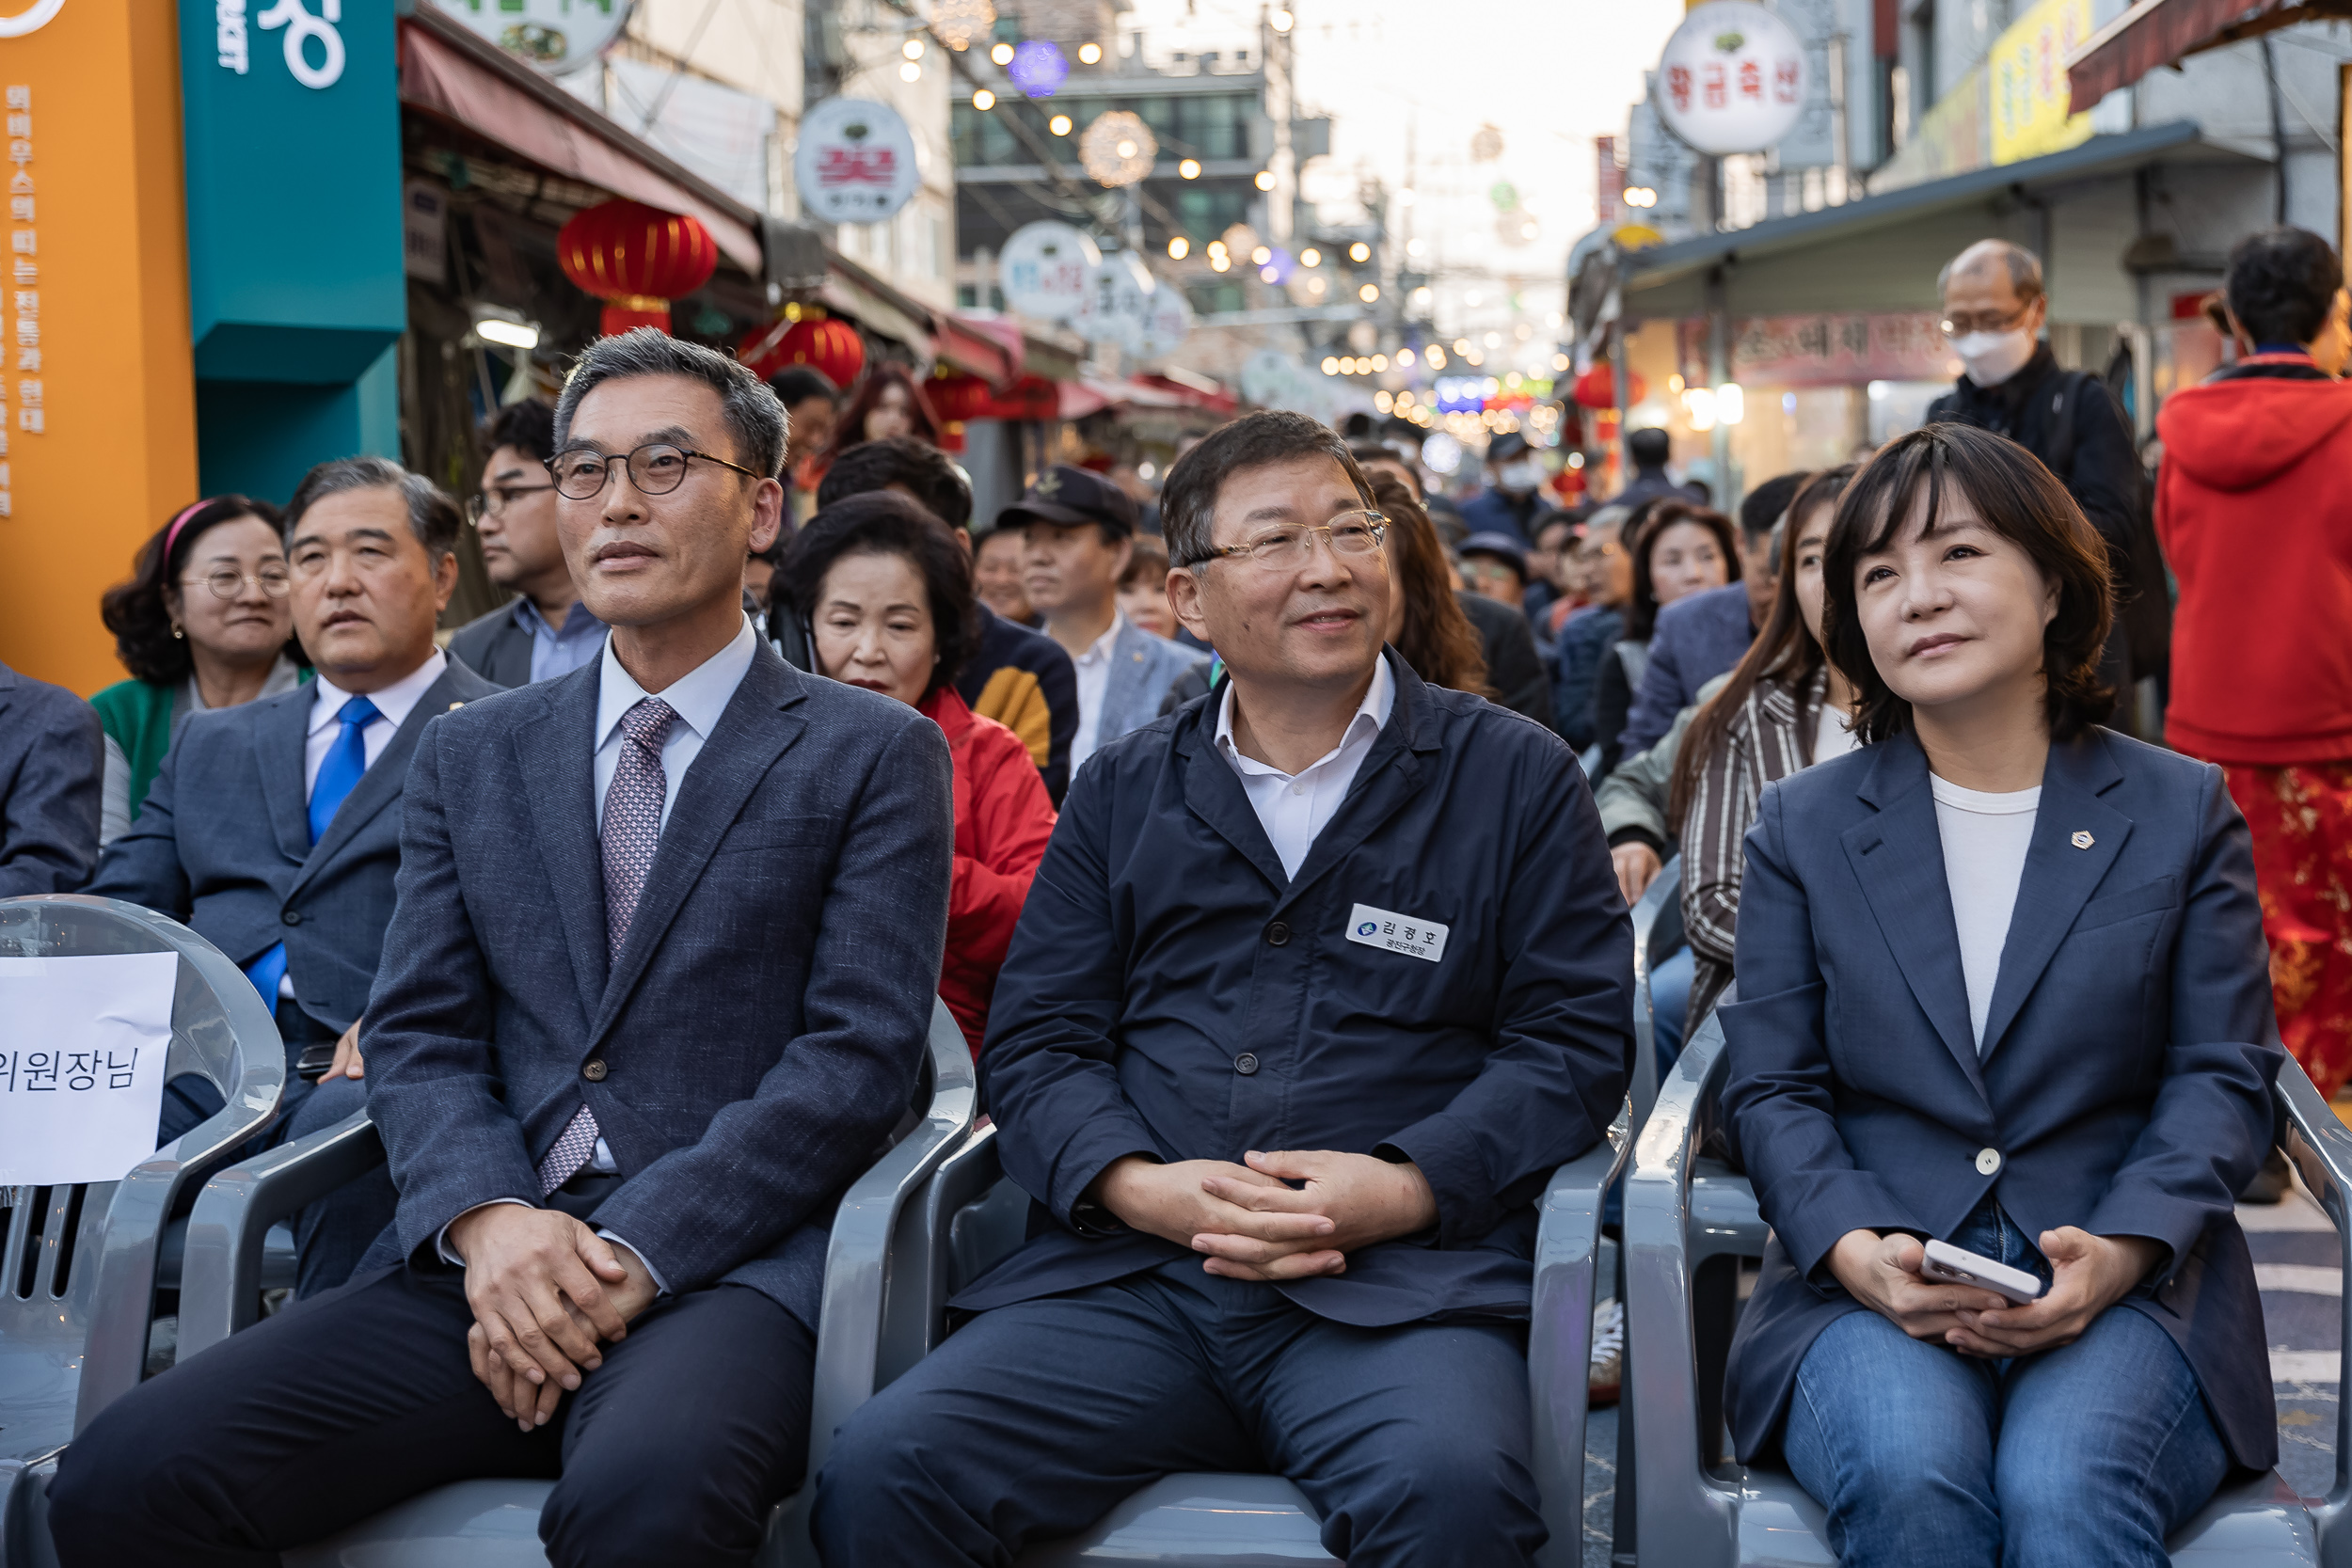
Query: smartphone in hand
{"points": [[1959, 1266]]}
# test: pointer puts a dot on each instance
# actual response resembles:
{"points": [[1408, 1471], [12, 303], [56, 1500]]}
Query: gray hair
{"points": [[753, 416], [2025, 267], [432, 516], [1188, 501]]}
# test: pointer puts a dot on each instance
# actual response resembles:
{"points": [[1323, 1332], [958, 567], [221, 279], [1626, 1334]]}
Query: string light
{"points": [[1265, 181], [1330, 365], [1189, 169], [1060, 125], [1179, 248], [1282, 20], [912, 49], [1002, 54], [1118, 149], [1260, 256], [910, 71], [1379, 363], [1089, 52], [1404, 359], [1311, 257], [1369, 292], [983, 99], [1360, 252]]}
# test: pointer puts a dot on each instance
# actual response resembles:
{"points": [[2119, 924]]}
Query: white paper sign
{"points": [[1397, 933], [83, 1042]]}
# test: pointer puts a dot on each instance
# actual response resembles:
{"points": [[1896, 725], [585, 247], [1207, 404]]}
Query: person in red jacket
{"points": [[2256, 521], [887, 593]]}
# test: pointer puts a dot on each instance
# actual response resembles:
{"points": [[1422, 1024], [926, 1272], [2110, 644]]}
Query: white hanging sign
{"points": [[1732, 78], [1117, 300], [1046, 271], [554, 35], [83, 1043], [1167, 323], [855, 162]]}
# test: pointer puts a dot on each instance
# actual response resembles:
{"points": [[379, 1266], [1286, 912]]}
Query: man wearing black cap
{"points": [[1079, 527], [1509, 503]]}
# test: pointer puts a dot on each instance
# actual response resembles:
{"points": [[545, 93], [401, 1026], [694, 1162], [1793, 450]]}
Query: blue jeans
{"points": [[2082, 1456], [1669, 1005]]}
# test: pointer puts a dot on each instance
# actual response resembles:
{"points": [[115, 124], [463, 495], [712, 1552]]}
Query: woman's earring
{"points": [[176, 633]]}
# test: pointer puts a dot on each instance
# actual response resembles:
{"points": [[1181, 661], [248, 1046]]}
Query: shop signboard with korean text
{"points": [[1830, 350], [2027, 82], [97, 420], [855, 162], [1732, 78], [559, 36]]}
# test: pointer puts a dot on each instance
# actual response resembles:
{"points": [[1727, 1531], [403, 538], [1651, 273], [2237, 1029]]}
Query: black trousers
{"points": [[671, 1452]]}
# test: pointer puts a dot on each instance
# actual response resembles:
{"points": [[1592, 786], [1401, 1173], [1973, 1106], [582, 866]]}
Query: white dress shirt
{"points": [[392, 706], [1294, 807], [1985, 839], [1094, 678]]}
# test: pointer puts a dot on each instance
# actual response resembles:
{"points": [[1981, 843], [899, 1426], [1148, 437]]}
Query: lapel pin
{"points": [[455, 706], [2084, 841]]}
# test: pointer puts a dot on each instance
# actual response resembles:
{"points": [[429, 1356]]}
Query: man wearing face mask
{"points": [[1994, 312], [1508, 504]]}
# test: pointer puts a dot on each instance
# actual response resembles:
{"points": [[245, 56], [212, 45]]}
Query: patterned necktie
{"points": [[345, 762], [631, 831]]}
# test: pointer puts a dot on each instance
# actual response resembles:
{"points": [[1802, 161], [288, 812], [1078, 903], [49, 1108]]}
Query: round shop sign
{"points": [[1732, 79], [1046, 271], [554, 35], [1167, 323], [1117, 300], [855, 162], [40, 13]]}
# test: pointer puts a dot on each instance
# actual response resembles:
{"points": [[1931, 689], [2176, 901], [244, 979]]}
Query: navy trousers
{"points": [[671, 1452], [1413, 1443]]}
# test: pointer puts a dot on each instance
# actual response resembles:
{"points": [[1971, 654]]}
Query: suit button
{"points": [[1988, 1161], [594, 1072], [1245, 1063], [292, 918], [1276, 934]]}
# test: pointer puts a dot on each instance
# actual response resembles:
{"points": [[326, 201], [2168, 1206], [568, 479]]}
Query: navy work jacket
{"points": [[1171, 993]]}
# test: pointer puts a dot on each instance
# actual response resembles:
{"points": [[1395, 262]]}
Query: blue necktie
{"points": [[338, 775]]}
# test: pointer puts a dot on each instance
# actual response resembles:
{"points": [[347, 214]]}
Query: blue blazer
{"points": [[1696, 639], [2130, 1049], [1171, 992], [763, 1028], [1143, 667], [223, 843], [52, 758]]}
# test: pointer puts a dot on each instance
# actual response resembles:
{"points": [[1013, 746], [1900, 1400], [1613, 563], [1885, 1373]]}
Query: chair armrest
{"points": [[1559, 1331], [1681, 1519], [857, 1270], [1663, 888], [2320, 1148], [220, 1276]]}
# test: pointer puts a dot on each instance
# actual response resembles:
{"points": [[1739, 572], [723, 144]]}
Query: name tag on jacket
{"points": [[1397, 933]]}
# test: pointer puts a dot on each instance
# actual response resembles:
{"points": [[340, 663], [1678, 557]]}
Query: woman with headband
{"points": [[204, 623]]}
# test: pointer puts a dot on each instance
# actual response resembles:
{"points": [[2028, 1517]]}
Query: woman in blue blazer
{"points": [[2001, 982]]}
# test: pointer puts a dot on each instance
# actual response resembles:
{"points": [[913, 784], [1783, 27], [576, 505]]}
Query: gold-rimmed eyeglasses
{"points": [[655, 468], [1351, 534], [226, 582]]}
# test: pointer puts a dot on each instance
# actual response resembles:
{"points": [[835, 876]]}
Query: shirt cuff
{"points": [[441, 1239], [659, 1283]]}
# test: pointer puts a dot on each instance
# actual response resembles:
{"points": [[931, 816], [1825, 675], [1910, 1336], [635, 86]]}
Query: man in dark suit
{"points": [[1327, 909], [272, 827], [52, 758], [546, 631], [658, 986]]}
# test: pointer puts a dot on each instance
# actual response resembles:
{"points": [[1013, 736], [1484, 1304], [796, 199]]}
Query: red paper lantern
{"points": [[956, 397], [832, 347], [1598, 387], [636, 258]]}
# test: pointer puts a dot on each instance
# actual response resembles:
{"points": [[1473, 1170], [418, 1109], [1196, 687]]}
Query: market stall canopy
{"points": [[447, 70], [2158, 33]]}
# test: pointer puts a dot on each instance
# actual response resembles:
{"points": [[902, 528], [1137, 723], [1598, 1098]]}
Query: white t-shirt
{"points": [[1833, 734], [1985, 840]]}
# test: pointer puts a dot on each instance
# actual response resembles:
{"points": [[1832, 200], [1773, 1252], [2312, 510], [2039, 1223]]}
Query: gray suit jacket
{"points": [[51, 757], [493, 646], [764, 1026], [1143, 667], [223, 843]]}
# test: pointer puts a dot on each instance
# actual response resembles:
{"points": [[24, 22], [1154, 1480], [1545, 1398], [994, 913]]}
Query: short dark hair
{"points": [[432, 516], [1147, 562], [1648, 447], [797, 384], [1641, 612], [528, 426], [922, 468], [883, 522], [753, 414], [1188, 501], [2022, 502], [2282, 284], [1766, 504], [135, 612]]}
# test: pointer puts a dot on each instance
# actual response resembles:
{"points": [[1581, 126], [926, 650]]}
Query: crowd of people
{"points": [[1273, 845]]}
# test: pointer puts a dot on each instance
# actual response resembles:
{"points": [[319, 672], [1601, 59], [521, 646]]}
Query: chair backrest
{"points": [[77, 1264], [1660, 903], [2320, 1148]]}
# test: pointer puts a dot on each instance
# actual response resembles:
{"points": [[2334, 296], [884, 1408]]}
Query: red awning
{"points": [[447, 71], [991, 350], [2160, 32]]}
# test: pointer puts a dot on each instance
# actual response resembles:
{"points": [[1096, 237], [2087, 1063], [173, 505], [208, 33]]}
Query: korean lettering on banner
{"points": [[1830, 350], [84, 1043], [29, 384]]}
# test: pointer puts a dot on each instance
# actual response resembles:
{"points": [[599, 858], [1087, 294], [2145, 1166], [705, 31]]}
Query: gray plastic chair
{"points": [[1688, 1222], [1656, 937], [1236, 1521], [79, 1265]]}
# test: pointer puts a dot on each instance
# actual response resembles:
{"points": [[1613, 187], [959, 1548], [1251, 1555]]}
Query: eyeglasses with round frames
{"points": [[655, 468], [1351, 534], [494, 502], [226, 583]]}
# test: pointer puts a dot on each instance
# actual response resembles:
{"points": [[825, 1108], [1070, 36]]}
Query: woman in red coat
{"points": [[887, 593]]}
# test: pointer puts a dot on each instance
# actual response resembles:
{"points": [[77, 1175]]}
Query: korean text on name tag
{"points": [[1397, 933]]}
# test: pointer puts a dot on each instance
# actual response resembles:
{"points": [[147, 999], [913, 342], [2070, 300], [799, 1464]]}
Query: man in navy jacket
{"points": [[1328, 927]]}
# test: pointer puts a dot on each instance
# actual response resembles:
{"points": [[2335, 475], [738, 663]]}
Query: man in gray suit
{"points": [[273, 827], [51, 759], [657, 987], [546, 631], [1078, 529]]}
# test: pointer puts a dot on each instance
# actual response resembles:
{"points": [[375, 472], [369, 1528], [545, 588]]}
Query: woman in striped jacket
{"points": [[1784, 707]]}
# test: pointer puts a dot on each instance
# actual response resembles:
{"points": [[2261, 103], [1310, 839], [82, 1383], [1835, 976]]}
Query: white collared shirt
{"points": [[697, 697], [1094, 678], [1294, 808], [392, 706]]}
